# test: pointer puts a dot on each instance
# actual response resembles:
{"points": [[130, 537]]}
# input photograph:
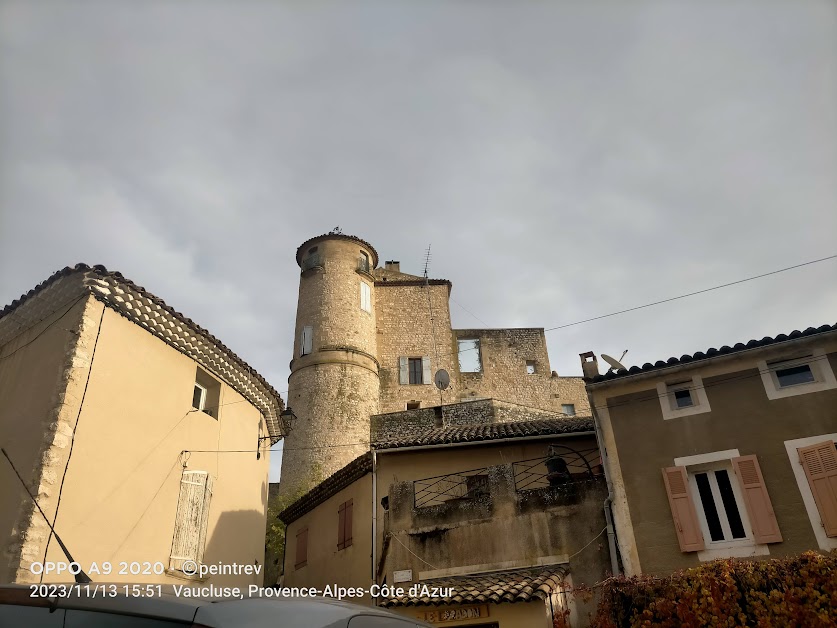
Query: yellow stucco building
{"points": [[136, 430]]}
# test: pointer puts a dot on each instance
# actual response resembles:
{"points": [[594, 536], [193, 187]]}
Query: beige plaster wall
{"points": [[119, 496], [349, 567], [40, 371]]}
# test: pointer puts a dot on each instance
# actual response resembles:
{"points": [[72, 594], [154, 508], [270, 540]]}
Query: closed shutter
{"points": [[191, 519], [301, 548], [762, 519], [307, 340], [403, 372], [341, 527], [683, 510], [426, 378], [820, 464], [348, 524], [365, 297]]}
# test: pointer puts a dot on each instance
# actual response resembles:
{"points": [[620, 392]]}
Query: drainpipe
{"points": [[611, 532], [374, 517]]}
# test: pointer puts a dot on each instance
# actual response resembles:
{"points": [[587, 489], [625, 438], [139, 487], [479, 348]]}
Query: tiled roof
{"points": [[518, 585], [150, 312], [332, 485], [336, 236], [713, 353], [489, 431]]}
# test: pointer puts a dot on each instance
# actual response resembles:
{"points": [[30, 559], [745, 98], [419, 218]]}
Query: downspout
{"points": [[611, 532], [374, 519]]}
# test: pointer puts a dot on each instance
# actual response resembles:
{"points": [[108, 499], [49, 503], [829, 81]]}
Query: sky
{"points": [[562, 160]]}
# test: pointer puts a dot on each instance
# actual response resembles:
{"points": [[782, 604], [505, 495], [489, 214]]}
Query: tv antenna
{"points": [[615, 365], [426, 261]]}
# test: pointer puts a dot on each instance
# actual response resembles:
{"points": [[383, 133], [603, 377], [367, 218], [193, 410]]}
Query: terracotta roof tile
{"points": [[712, 353], [489, 431], [518, 585], [336, 236]]}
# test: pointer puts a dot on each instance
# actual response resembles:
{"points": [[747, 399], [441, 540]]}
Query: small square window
{"points": [[413, 405], [530, 367], [794, 375], [683, 398], [206, 393], [469, 355], [568, 409]]}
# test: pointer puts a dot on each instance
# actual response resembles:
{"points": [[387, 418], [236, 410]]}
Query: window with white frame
{"points": [[199, 397], [683, 397], [206, 393], [798, 375], [720, 505], [365, 297]]}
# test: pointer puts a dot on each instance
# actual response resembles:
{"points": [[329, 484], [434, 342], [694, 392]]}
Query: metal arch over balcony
{"points": [[562, 465], [442, 489]]}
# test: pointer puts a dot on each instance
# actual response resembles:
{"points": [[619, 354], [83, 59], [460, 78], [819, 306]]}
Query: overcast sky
{"points": [[563, 159]]}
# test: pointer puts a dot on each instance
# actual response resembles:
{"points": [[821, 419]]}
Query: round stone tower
{"points": [[333, 387]]}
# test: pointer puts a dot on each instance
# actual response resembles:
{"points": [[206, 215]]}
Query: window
{"points": [[365, 297], [199, 397], [469, 356], [414, 370], [683, 398], [568, 409], [476, 486], [312, 259], [797, 376], [814, 463], [530, 367], [413, 405], [720, 505], [206, 393], [344, 525], [363, 262], [301, 549], [306, 341], [191, 519]]}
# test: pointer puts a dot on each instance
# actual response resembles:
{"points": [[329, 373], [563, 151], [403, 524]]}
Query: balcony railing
{"points": [[563, 465], [454, 487], [363, 264]]}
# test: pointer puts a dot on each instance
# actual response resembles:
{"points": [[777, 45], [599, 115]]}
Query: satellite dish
{"points": [[615, 364], [442, 379]]}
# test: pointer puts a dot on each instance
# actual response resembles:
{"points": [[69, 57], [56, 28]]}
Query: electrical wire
{"points": [[397, 540], [42, 332]]}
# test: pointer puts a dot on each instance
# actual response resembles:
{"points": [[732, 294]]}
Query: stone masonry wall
{"points": [[504, 354], [405, 330]]}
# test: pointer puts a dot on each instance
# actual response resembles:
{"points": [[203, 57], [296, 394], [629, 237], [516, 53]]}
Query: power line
{"points": [[43, 331], [691, 294]]}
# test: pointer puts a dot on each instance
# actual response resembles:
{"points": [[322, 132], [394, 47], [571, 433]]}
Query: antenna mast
{"points": [[427, 257]]}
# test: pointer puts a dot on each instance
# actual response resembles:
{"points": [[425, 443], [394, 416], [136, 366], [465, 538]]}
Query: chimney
{"points": [[393, 265], [589, 365]]}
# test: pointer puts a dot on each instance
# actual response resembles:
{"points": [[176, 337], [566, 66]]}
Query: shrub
{"points": [[797, 591]]}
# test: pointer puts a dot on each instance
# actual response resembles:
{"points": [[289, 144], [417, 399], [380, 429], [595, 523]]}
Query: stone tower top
{"points": [[335, 235]]}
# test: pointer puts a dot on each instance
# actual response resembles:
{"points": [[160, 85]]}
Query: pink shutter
{"points": [[683, 510], [820, 464], [301, 548], [341, 527], [762, 519], [348, 524]]}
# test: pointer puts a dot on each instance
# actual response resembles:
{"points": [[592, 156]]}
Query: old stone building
{"points": [[369, 340]]}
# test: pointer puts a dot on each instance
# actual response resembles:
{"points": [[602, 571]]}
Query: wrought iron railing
{"points": [[562, 465], [363, 264], [311, 261], [454, 487]]}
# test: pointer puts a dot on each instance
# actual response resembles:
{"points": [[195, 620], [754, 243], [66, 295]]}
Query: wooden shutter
{"points": [[301, 548], [341, 527], [347, 530], [365, 297], [307, 340], [762, 519], [403, 371], [191, 519], [426, 377], [686, 522], [820, 464]]}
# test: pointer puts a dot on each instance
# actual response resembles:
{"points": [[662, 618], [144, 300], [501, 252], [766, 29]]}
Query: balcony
{"points": [[451, 489], [312, 261]]}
